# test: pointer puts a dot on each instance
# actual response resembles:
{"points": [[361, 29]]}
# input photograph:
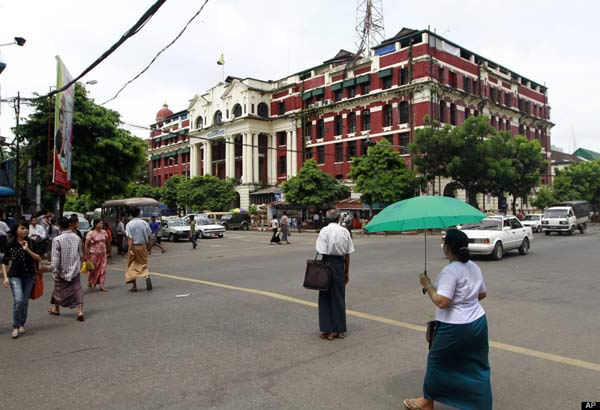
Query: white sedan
{"points": [[206, 227], [496, 235]]}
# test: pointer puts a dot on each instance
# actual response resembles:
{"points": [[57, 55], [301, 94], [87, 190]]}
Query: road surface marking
{"points": [[500, 346]]}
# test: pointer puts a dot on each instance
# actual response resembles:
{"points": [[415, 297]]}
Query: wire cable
{"points": [[158, 54], [128, 34]]}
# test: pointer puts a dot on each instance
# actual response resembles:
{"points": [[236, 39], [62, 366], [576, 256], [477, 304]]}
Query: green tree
{"points": [[469, 162], [580, 181], [81, 203], [544, 197], [431, 151], [170, 191], [105, 157], [382, 175], [207, 192], [313, 187], [143, 191], [528, 163]]}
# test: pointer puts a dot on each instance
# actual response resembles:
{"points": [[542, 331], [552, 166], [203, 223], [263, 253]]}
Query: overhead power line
{"points": [[128, 34], [158, 54]]}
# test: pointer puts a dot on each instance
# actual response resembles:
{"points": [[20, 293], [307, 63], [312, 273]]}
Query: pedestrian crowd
{"points": [[457, 372]]}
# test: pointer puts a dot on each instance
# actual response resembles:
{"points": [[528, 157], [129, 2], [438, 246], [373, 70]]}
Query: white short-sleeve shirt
{"points": [[462, 283], [334, 240]]}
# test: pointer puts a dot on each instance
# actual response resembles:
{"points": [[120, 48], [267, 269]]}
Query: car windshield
{"points": [[226, 217], [173, 224], [531, 218], [556, 213], [83, 224], [488, 224], [205, 221]]}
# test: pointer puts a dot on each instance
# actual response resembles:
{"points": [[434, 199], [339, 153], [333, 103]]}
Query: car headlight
{"points": [[544, 222], [563, 222]]}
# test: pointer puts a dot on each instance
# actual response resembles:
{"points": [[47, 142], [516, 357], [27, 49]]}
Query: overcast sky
{"points": [[549, 41]]}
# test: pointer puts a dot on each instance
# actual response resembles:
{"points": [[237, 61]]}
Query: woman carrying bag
{"points": [[458, 370], [20, 277]]}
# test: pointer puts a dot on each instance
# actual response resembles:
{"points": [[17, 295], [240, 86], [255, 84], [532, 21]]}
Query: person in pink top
{"points": [[97, 248]]}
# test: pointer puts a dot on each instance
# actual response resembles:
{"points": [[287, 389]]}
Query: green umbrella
{"points": [[424, 212]]}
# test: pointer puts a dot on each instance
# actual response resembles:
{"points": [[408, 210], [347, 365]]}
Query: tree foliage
{"points": [[543, 198], [382, 175], [170, 191], [206, 192], [580, 181], [143, 191], [105, 158], [431, 150], [313, 187]]}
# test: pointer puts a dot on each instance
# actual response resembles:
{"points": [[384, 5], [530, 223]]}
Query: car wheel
{"points": [[498, 251], [244, 227], [582, 228], [524, 248], [572, 230], [171, 237], [226, 227]]}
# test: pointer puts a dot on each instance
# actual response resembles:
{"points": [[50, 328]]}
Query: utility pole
{"points": [[18, 114]]}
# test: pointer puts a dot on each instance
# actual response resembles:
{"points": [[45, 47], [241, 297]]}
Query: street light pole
{"points": [[18, 114]]}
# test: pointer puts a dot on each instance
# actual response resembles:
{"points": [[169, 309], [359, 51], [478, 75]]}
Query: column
{"points": [[255, 173], [245, 159], [208, 158], [294, 149], [288, 152], [272, 158], [193, 160], [229, 158]]}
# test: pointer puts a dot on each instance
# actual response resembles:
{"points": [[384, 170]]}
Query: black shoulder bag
{"points": [[318, 274]]}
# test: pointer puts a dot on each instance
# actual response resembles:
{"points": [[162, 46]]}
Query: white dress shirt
{"points": [[38, 231], [334, 240], [462, 283]]}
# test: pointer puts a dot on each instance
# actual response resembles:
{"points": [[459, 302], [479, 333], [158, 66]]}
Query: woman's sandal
{"points": [[80, 317], [411, 404], [340, 335], [327, 336], [53, 312]]}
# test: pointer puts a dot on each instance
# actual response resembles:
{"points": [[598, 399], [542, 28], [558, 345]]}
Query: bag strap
{"points": [[317, 255]]}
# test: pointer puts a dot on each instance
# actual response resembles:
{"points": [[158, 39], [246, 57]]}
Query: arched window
{"points": [[338, 128], [404, 112], [365, 119], [387, 116], [263, 110], [199, 122], [237, 111], [351, 122], [218, 118], [453, 114]]}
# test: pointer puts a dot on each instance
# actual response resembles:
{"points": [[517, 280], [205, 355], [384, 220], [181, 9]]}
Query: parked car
{"points": [[240, 221], [496, 235], [206, 227], [534, 221], [175, 229], [567, 217], [84, 226]]}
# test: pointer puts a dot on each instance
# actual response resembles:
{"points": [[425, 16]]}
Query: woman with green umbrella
{"points": [[458, 370]]}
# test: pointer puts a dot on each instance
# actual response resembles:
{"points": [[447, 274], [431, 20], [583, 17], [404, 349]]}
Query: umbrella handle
{"points": [[423, 289]]}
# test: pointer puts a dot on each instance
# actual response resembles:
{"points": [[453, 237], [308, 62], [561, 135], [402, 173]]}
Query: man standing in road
{"points": [[285, 228], [139, 243], [335, 244], [193, 232], [120, 229], [67, 256]]}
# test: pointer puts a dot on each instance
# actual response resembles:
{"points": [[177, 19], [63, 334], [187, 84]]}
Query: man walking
{"points": [[156, 234], [193, 232], [67, 256], [285, 228], [335, 244], [139, 243], [120, 229]]}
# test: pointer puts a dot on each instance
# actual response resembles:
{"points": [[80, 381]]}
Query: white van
{"points": [[566, 217]]}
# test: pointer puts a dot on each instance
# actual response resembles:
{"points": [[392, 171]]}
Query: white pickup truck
{"points": [[566, 217], [496, 235]]}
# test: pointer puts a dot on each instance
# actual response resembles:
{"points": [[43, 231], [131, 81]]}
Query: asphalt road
{"points": [[255, 344]]}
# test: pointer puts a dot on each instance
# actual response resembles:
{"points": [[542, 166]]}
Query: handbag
{"points": [[432, 328], [318, 274], [38, 287]]}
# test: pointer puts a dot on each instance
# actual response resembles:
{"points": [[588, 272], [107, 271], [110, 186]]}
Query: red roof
{"points": [[163, 113]]}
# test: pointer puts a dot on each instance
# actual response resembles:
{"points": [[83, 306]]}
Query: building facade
{"points": [[260, 132]]}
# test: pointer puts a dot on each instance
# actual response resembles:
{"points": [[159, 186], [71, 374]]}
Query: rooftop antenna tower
{"points": [[369, 25]]}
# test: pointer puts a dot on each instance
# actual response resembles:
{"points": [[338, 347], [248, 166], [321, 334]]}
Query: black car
{"points": [[236, 221]]}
